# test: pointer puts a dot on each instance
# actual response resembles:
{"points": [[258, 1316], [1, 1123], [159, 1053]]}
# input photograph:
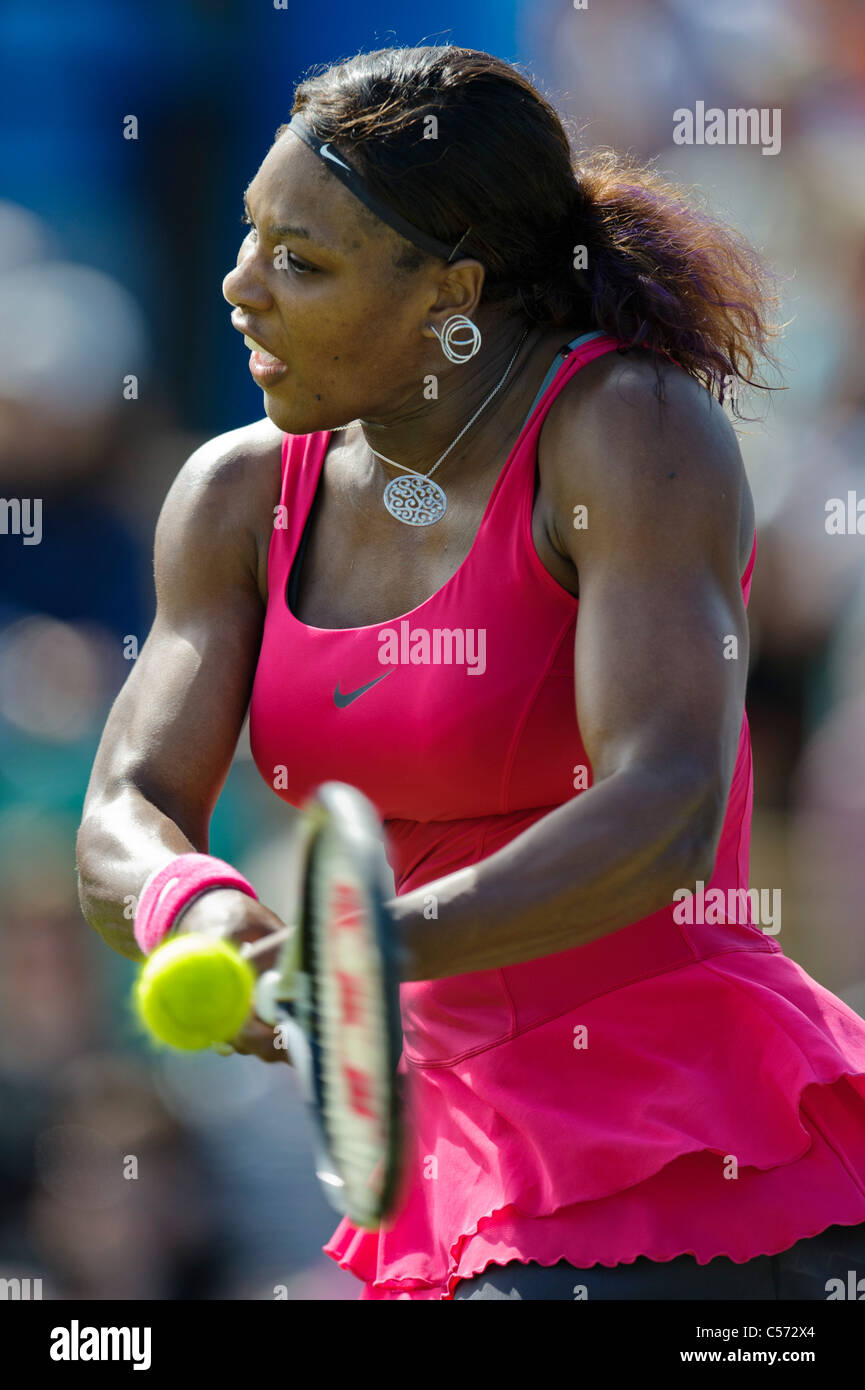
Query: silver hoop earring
{"points": [[460, 338]]}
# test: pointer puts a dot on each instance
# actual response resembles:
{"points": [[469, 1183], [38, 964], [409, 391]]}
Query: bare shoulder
{"points": [[219, 509], [632, 435], [230, 469]]}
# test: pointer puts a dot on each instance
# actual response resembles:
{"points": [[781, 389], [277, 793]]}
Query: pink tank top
{"points": [[457, 720]]}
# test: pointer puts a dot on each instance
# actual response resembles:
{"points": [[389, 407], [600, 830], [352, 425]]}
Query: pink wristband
{"points": [[172, 888]]}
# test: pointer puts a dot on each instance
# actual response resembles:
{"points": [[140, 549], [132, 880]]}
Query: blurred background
{"points": [[125, 1173]]}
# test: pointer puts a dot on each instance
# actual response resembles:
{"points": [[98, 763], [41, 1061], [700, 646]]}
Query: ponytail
{"points": [[662, 272]]}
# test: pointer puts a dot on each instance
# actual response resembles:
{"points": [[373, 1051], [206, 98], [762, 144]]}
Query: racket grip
{"points": [[266, 994], [173, 887]]}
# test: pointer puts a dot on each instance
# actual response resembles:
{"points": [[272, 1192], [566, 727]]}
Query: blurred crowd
{"points": [[133, 1173]]}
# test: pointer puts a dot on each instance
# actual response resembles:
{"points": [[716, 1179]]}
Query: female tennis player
{"points": [[487, 559]]}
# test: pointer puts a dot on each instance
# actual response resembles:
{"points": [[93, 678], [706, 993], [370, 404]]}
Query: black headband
{"points": [[355, 184]]}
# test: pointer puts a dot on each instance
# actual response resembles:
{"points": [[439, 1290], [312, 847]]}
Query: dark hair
{"points": [[499, 177]]}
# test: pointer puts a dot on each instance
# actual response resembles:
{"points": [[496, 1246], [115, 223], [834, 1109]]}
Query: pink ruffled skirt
{"points": [[667, 1090]]}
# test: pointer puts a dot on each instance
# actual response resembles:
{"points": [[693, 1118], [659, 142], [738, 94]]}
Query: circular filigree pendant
{"points": [[416, 500]]}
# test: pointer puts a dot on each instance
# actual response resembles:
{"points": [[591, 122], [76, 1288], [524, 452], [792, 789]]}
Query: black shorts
{"points": [[802, 1272]]}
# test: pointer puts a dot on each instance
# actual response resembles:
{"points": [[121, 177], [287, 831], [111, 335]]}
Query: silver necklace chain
{"points": [[464, 429], [416, 499]]}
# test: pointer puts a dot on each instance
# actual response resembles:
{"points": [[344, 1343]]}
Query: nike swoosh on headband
{"points": [[327, 153], [356, 185], [341, 698]]}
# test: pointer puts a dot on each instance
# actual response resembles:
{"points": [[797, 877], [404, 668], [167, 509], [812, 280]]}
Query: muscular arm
{"points": [[660, 707], [169, 739]]}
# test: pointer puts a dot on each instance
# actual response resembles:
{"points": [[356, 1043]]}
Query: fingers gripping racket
{"points": [[335, 996]]}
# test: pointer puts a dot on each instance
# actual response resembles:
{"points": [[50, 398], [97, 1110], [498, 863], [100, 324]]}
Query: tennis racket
{"points": [[334, 995]]}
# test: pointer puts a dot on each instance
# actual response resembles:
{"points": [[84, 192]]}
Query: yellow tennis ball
{"points": [[194, 991]]}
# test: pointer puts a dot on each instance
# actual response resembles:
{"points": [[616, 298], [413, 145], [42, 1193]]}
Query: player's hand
{"points": [[258, 1039], [228, 912]]}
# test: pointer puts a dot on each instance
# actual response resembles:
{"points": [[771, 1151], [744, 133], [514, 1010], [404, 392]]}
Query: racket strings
{"points": [[348, 1022]]}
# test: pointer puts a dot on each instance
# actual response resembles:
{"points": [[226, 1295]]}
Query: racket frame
{"points": [[286, 997]]}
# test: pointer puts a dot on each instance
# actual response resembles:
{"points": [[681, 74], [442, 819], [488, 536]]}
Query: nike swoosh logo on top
{"points": [[327, 153], [341, 698]]}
